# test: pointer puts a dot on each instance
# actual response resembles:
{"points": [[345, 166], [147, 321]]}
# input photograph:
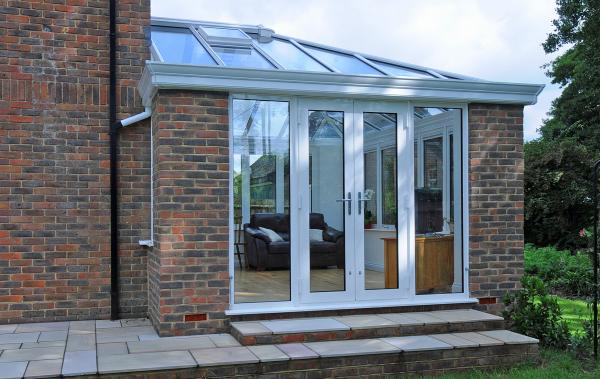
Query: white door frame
{"points": [[403, 201], [305, 105]]}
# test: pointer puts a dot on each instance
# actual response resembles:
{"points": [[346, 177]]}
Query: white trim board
{"points": [[159, 75]]}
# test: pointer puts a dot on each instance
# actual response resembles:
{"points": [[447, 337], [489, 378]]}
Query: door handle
{"points": [[360, 201], [349, 200]]}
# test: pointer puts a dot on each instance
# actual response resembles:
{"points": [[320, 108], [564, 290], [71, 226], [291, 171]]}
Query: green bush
{"points": [[534, 312], [563, 272]]}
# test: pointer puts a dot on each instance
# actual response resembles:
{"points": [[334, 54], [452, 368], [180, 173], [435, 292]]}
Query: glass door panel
{"points": [[326, 218], [381, 227]]}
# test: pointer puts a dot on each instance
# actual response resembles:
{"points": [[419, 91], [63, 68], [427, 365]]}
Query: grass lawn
{"points": [[574, 312], [554, 365]]}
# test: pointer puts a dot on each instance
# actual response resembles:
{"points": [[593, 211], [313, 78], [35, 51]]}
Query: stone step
{"points": [[365, 326]]}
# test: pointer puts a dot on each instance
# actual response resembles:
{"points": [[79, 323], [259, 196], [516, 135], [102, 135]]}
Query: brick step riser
{"points": [[395, 331]]}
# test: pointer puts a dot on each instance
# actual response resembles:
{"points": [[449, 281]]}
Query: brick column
{"points": [[496, 201], [188, 267]]}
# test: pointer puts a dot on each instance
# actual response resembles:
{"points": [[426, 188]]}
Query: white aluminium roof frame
{"points": [[442, 87]]}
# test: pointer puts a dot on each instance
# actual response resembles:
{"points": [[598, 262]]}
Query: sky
{"points": [[492, 40]]}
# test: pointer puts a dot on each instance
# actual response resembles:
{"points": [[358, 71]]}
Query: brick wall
{"points": [[496, 201], [188, 267], [54, 183]]}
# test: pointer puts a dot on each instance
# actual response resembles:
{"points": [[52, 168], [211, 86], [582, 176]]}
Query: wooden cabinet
{"points": [[434, 264]]}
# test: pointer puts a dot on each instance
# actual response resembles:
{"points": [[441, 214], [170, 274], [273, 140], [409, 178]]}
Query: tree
{"points": [[558, 163]]}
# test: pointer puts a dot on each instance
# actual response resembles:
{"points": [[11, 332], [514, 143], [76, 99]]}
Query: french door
{"points": [[354, 202]]}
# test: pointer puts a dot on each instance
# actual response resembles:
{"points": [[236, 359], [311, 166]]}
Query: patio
{"points": [[79, 348]]}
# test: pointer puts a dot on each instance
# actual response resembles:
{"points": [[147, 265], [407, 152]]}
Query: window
{"points": [[179, 45], [241, 57], [291, 57], [344, 63]]}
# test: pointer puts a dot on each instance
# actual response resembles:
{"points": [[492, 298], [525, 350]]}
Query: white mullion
{"points": [[379, 188]]}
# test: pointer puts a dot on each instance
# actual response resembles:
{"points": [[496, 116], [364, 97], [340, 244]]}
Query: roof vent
{"points": [[224, 36]]}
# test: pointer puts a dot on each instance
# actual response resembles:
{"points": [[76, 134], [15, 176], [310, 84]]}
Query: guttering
{"points": [[159, 75]]}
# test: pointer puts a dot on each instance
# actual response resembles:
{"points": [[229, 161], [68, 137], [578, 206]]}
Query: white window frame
{"points": [[294, 305]]}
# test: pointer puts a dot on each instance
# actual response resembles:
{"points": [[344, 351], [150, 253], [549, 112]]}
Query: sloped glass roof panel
{"points": [[241, 57], [179, 45], [290, 57], [223, 32], [344, 63], [400, 71]]}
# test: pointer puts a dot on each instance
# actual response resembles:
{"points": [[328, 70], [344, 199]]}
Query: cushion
{"points": [[271, 234], [315, 234]]}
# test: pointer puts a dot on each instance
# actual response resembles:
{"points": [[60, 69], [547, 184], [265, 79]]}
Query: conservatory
{"points": [[352, 181]]}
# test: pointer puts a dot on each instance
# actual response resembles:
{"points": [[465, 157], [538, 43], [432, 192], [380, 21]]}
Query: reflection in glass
{"points": [[344, 63], [241, 57], [403, 71], [179, 45], [261, 197], [437, 201], [380, 205], [326, 219], [291, 57]]}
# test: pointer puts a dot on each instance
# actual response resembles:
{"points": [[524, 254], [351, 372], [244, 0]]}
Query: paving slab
{"points": [[145, 362], [44, 369], [8, 328], [479, 339], [81, 342], [19, 337], [304, 325], [224, 356], [427, 318], [454, 340], [124, 334], [402, 319], [465, 315], [112, 348], [365, 321], [105, 324], [268, 353], [417, 343], [148, 337], [79, 363], [42, 327], [59, 335], [297, 351], [251, 328], [223, 340], [12, 370], [136, 322], [170, 344], [40, 354], [82, 327], [10, 346], [35, 345], [351, 347], [508, 337]]}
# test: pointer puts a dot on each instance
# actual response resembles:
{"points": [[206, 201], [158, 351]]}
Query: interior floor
{"points": [[274, 285]]}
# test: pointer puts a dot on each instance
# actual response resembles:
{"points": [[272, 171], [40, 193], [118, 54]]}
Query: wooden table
{"points": [[434, 263]]}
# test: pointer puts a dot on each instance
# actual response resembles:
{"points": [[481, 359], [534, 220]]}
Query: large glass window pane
{"points": [[179, 45], [291, 57], [395, 70], [439, 263], [241, 57], [344, 63], [261, 198], [380, 201], [326, 219]]}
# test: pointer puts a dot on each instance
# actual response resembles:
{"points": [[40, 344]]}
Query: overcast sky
{"points": [[493, 40]]}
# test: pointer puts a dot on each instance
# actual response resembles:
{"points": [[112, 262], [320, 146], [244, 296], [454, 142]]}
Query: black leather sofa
{"points": [[262, 253]]}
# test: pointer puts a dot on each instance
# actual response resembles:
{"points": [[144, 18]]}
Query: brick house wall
{"points": [[496, 202], [188, 269], [54, 159]]}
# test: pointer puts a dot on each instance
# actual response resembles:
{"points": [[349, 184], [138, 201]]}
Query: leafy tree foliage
{"points": [[558, 163]]}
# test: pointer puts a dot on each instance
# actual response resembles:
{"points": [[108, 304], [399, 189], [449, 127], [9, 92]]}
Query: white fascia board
{"points": [[176, 76]]}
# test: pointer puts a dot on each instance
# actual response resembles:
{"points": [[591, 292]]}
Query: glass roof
{"points": [[257, 47]]}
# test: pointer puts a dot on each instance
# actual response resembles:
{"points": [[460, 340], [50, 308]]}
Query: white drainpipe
{"points": [[132, 120]]}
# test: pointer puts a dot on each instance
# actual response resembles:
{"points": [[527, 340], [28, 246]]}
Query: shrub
{"points": [[534, 312], [570, 274]]}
